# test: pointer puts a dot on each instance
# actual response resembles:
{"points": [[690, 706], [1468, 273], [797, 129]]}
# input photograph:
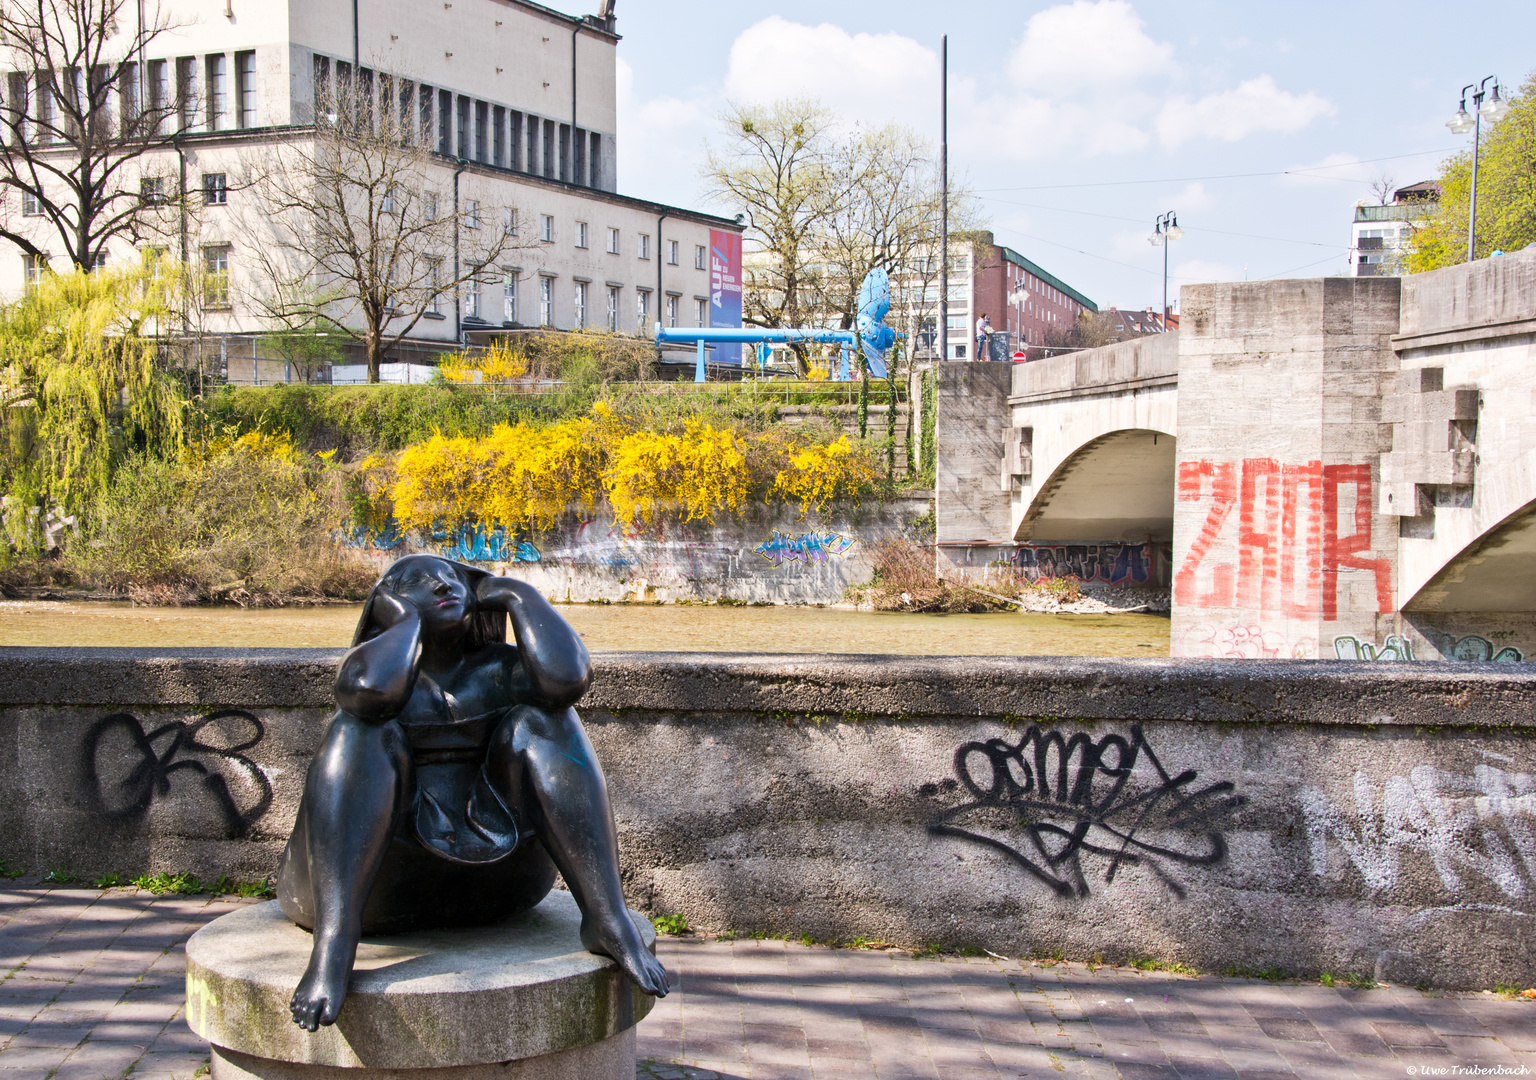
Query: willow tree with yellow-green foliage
{"points": [[82, 388], [1506, 192]]}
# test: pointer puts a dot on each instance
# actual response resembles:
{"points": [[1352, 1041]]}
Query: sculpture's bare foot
{"points": [[322, 989], [619, 939]]}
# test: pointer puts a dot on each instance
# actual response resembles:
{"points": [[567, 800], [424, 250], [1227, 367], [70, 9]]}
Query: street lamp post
{"points": [[1165, 229], [1494, 109]]}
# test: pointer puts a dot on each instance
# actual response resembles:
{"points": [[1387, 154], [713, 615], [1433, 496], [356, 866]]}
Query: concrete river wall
{"points": [[1357, 818]]}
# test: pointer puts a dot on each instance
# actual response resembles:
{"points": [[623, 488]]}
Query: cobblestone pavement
{"points": [[91, 988]]}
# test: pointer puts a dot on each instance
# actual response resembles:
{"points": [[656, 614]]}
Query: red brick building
{"points": [[1018, 296]]}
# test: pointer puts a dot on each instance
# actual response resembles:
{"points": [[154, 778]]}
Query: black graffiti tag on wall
{"points": [[126, 768], [1050, 802]]}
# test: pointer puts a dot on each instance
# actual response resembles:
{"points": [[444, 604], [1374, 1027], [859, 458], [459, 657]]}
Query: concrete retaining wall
{"points": [[1310, 816], [781, 558]]}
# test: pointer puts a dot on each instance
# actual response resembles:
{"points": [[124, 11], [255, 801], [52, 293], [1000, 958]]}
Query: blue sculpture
{"points": [[870, 334]]}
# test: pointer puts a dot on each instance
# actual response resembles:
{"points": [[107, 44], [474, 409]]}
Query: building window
{"points": [[215, 189], [613, 241], [434, 270], [152, 190], [547, 228], [509, 221], [546, 301], [216, 267], [217, 90], [471, 214], [579, 320], [699, 256], [390, 203], [509, 296], [431, 205], [99, 261], [444, 122], [186, 92], [159, 91], [613, 308], [32, 268], [643, 249], [581, 234], [31, 205], [671, 252], [643, 308], [672, 311], [472, 299], [245, 88], [700, 311]]}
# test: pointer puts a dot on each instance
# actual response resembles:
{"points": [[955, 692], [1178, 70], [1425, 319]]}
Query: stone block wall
{"points": [[971, 503], [1308, 816], [1279, 545]]}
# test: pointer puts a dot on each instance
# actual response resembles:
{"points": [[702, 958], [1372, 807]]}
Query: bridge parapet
{"points": [[1461, 476]]}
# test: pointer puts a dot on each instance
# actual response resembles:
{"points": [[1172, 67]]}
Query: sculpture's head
{"points": [[444, 592]]}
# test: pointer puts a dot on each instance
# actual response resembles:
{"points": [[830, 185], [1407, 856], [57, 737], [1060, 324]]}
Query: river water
{"points": [[616, 627]]}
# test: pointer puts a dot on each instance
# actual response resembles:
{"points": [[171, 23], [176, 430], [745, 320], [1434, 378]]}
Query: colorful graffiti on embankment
{"points": [[1116, 564]]}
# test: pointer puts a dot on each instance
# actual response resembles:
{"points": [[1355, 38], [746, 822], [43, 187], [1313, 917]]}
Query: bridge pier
{"points": [[1341, 467]]}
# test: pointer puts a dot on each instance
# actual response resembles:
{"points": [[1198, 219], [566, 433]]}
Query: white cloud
{"points": [[871, 78], [1199, 271], [1255, 105], [1085, 42], [661, 140]]}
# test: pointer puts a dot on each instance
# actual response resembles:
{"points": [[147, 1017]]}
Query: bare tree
{"points": [[777, 168], [887, 213], [358, 228], [76, 122], [1383, 187]]}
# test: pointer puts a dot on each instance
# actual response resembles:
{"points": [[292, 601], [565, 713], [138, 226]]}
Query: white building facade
{"points": [[516, 101]]}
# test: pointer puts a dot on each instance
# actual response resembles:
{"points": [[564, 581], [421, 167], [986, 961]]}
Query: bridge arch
{"points": [[1116, 487], [1479, 557]]}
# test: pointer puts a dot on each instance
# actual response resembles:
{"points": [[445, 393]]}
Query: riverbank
{"points": [[620, 627]]}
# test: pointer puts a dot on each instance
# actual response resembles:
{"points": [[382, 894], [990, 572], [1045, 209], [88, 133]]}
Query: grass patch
{"points": [[671, 925], [1148, 963], [11, 872], [185, 884], [1274, 974]]}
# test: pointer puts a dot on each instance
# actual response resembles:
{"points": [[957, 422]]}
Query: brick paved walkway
{"points": [[91, 988]]}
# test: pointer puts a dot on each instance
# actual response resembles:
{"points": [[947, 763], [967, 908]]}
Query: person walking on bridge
{"points": [[983, 329]]}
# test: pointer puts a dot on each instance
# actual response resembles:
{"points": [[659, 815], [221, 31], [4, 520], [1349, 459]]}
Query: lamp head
{"points": [[1174, 232], [1462, 122], [1495, 108]]}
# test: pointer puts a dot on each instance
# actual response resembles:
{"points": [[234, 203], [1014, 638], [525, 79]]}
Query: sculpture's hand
{"points": [[376, 678], [553, 653], [390, 609]]}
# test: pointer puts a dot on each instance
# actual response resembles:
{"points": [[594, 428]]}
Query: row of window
{"points": [[582, 316], [201, 100], [457, 125], [215, 258]]}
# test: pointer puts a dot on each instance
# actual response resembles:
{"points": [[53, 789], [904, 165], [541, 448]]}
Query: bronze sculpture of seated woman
{"points": [[453, 781]]}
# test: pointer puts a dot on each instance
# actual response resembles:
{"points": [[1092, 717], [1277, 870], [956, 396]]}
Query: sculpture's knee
{"points": [[353, 750]]}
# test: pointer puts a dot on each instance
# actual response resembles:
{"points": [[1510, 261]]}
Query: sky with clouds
{"points": [[1077, 123]]}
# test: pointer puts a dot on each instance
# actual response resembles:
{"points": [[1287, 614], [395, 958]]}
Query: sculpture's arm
{"points": [[552, 652], [376, 678]]}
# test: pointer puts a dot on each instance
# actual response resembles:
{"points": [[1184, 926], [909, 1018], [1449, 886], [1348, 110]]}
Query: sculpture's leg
{"points": [[353, 795], [548, 767]]}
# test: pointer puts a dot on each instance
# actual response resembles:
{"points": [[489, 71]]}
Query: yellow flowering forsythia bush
{"points": [[525, 476]]}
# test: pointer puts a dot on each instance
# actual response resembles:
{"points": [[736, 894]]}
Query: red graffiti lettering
{"points": [[1257, 546], [1192, 476], [1307, 560], [1342, 552], [1289, 546]]}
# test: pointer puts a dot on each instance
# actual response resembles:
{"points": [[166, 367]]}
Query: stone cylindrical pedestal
{"points": [[521, 1000]]}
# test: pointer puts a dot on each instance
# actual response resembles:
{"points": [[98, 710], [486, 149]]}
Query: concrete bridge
{"points": [[1316, 468]]}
